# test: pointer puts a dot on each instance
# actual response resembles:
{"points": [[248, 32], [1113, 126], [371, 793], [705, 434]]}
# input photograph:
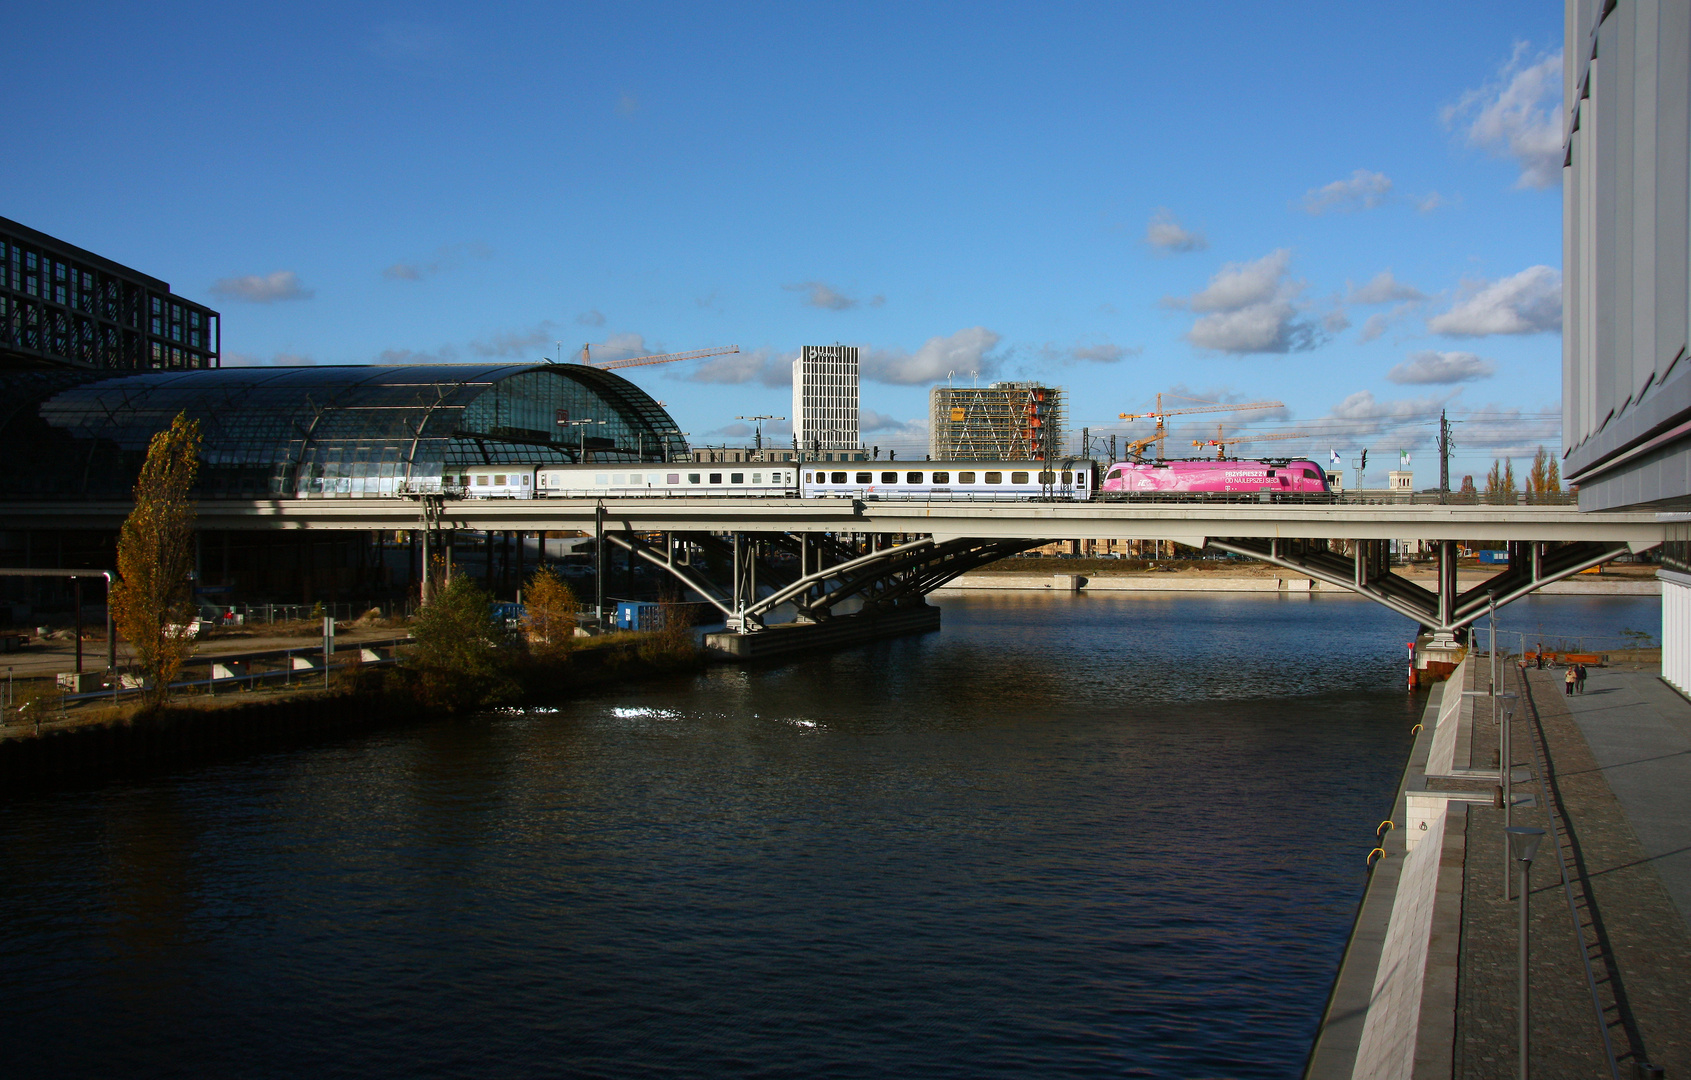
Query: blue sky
{"points": [[1119, 199]]}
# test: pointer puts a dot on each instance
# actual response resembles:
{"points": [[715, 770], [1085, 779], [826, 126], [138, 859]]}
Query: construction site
{"points": [[1006, 421]]}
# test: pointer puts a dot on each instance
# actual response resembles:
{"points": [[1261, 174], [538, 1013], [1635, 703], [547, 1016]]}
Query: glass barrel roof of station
{"points": [[326, 431]]}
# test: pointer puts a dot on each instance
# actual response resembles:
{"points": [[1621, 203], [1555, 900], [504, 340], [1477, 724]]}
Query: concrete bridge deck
{"points": [[944, 520]]}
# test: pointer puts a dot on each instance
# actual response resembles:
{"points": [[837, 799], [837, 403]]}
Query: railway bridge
{"points": [[816, 560]]}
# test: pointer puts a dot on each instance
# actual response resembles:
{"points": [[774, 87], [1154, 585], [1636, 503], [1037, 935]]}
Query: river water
{"points": [[1066, 836]]}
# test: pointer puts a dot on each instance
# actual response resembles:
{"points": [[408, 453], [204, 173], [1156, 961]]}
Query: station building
{"points": [[304, 433], [62, 307]]}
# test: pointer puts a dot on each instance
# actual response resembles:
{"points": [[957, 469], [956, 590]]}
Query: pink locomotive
{"points": [[1285, 477]]}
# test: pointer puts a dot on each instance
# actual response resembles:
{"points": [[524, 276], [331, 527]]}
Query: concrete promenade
{"points": [[1428, 984]]}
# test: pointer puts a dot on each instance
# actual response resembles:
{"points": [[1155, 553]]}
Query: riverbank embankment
{"points": [[48, 746], [1428, 983]]}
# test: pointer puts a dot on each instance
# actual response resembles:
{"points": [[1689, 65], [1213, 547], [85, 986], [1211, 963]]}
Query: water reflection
{"points": [[1068, 835]]}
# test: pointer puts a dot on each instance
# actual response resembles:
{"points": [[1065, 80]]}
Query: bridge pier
{"points": [[1445, 609]]}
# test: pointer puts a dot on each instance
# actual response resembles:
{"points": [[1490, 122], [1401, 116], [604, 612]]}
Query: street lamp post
{"points": [[1523, 845]]}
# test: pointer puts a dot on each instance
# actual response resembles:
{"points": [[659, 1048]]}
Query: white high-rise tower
{"points": [[825, 398]]}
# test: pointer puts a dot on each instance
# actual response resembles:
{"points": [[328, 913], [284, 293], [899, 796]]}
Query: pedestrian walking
{"points": [[1540, 656], [1568, 681], [1579, 678]]}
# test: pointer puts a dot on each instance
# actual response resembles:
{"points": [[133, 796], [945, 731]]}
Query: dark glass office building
{"points": [[63, 307]]}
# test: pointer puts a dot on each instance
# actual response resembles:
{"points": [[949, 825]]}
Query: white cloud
{"points": [[1362, 190], [1103, 352], [1165, 233], [1384, 289], [515, 343], [263, 288], [1361, 416], [1529, 302], [1518, 114], [1251, 309], [965, 353], [1336, 321], [819, 294], [1432, 200], [507, 344], [1271, 327], [444, 258], [870, 421], [1441, 368], [764, 366], [591, 317], [1237, 285]]}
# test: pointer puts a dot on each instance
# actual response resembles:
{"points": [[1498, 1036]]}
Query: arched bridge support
{"points": [[1366, 570], [741, 576]]}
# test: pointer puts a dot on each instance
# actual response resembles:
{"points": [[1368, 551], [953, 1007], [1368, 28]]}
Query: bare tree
{"points": [[151, 603]]}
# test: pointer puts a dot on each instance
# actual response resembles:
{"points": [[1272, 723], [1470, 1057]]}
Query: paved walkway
{"points": [[44, 659], [1639, 731], [1619, 764]]}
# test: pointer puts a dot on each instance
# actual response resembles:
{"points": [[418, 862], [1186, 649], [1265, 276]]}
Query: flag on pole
{"points": [[1333, 457], [1403, 459]]}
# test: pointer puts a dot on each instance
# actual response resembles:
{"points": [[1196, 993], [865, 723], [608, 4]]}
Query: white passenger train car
{"points": [[966, 480], [660, 480]]}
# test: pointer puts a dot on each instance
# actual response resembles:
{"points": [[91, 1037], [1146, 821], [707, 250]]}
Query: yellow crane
{"points": [[1160, 413], [1222, 442], [655, 358]]}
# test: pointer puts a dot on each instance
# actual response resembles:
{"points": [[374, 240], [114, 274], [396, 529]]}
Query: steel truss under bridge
{"points": [[1367, 570], [748, 576]]}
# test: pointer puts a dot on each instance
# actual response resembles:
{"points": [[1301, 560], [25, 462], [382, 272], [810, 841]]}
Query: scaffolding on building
{"points": [[1007, 421]]}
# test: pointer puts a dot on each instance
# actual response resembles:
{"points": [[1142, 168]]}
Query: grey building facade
{"points": [[1626, 299]]}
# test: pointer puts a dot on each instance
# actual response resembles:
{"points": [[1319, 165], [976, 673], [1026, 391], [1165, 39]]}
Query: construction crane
{"points": [[1160, 413], [1222, 442], [656, 358]]}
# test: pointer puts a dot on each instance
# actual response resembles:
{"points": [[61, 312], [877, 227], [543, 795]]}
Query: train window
{"points": [[481, 480], [498, 479], [1051, 478], [839, 478], [1116, 473], [809, 478], [941, 478], [1022, 478], [757, 478], [1271, 472], [525, 480], [463, 481], [619, 480], [673, 478], [737, 478], [865, 478], [1079, 479], [995, 478], [913, 478], [965, 478], [889, 478], [716, 478], [602, 479], [692, 478]]}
